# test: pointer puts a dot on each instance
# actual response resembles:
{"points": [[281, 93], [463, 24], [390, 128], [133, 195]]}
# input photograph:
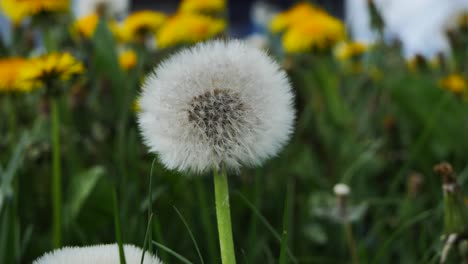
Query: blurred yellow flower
{"points": [[86, 26], [321, 32], [46, 69], [297, 14], [419, 62], [348, 50], [202, 6], [187, 28], [9, 73], [136, 106], [454, 83], [17, 10], [128, 59], [138, 24]]}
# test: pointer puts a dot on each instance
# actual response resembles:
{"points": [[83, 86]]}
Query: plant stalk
{"points": [[118, 230], [56, 175], [223, 215], [351, 242]]}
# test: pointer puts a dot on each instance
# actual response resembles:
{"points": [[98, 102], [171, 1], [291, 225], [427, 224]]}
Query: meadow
{"points": [[75, 169]]}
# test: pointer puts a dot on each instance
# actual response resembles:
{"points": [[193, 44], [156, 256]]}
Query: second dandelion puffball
{"points": [[216, 104]]}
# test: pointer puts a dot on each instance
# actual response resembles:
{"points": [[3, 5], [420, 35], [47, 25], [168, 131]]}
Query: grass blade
{"points": [[267, 225], [148, 231], [150, 207], [415, 220], [191, 235], [118, 232], [288, 202], [173, 253]]}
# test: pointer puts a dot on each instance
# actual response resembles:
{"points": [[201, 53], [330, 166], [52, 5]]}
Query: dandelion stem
{"points": [[11, 114], [223, 215], [118, 230], [348, 229], [56, 175]]}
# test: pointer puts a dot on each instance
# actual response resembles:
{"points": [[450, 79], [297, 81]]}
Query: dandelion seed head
{"points": [[341, 189], [102, 254], [218, 103]]}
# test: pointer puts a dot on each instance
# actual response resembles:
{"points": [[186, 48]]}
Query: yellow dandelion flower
{"points": [[348, 50], [10, 69], [187, 28], [419, 62], [39, 72], [454, 83], [86, 26], [17, 10], [297, 14], [202, 6], [321, 32], [128, 59], [138, 24], [136, 106]]}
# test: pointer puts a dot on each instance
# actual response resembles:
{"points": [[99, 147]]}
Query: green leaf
{"points": [[173, 253], [7, 175], [105, 55], [81, 186]]}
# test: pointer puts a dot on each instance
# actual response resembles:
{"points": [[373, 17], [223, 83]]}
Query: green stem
{"points": [[207, 221], [351, 242], [11, 111], [56, 176], [223, 215], [118, 231]]}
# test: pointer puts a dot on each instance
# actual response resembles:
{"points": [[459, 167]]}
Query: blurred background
{"points": [[242, 13], [381, 98]]}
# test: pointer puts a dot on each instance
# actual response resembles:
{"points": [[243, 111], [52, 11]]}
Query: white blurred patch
{"points": [[261, 13], [358, 21], [419, 24]]}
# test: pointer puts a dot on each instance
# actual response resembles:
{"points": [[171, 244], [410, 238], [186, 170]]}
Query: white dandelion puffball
{"points": [[100, 254], [341, 189], [217, 103], [113, 8]]}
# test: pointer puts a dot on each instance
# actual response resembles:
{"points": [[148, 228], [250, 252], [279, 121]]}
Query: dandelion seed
{"points": [[218, 103], [102, 254]]}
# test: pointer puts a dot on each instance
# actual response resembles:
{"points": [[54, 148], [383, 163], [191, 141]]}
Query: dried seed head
{"points": [[445, 170], [219, 115], [341, 189], [216, 103], [102, 254]]}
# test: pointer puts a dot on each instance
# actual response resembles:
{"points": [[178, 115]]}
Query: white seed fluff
{"points": [[217, 103], [341, 189], [113, 8], [99, 254]]}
